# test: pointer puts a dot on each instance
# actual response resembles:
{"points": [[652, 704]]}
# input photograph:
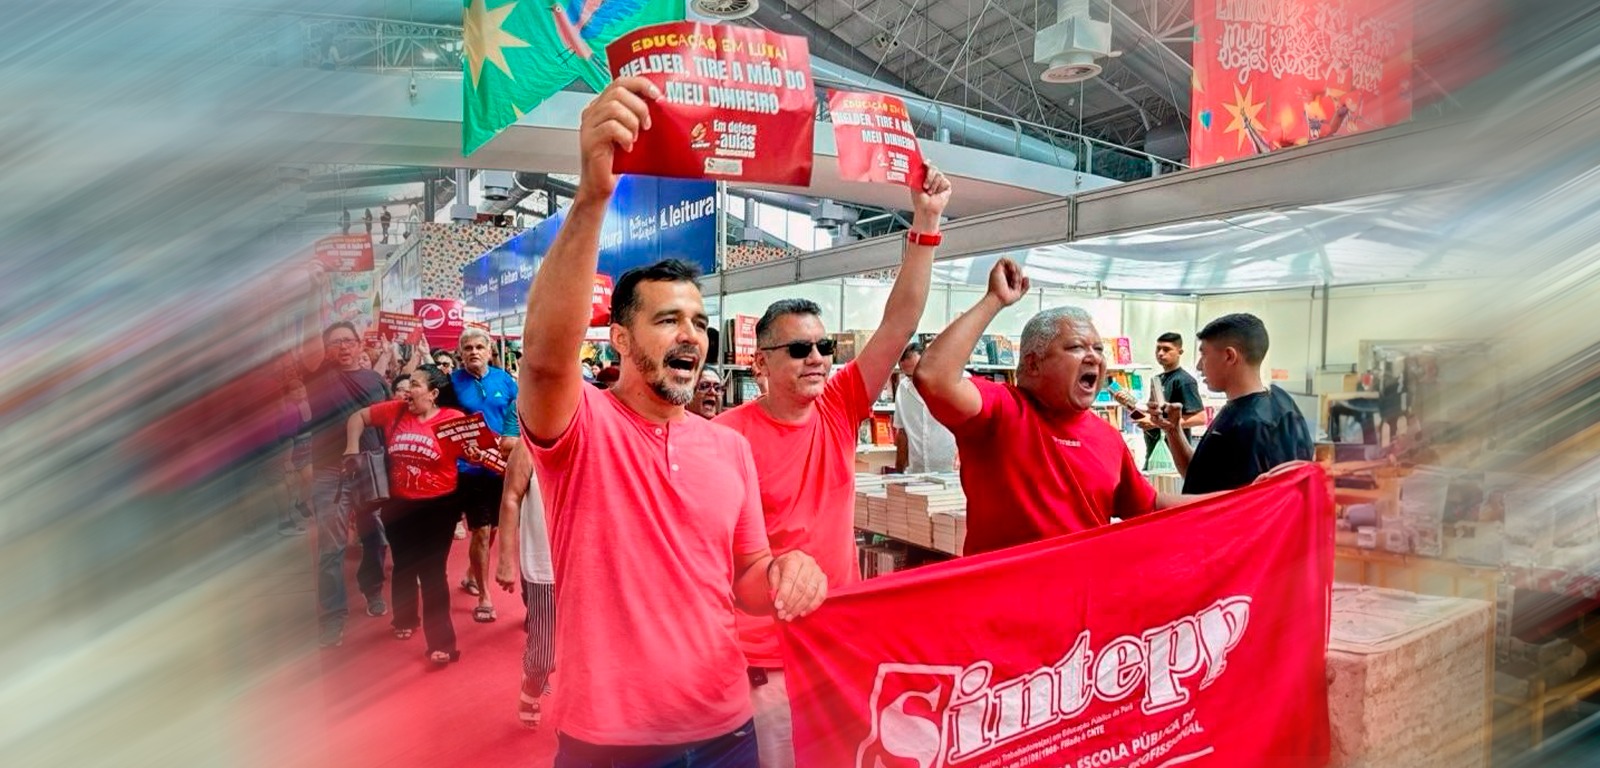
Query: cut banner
{"points": [[1283, 74], [736, 103], [1193, 637]]}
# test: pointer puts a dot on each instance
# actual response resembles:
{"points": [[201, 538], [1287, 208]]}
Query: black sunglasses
{"points": [[801, 350]]}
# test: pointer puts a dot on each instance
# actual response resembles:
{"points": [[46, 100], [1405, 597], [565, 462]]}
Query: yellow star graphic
{"points": [[1244, 108], [485, 40]]}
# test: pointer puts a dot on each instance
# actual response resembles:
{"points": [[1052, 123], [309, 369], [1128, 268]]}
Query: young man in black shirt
{"points": [[1178, 387], [1260, 427]]}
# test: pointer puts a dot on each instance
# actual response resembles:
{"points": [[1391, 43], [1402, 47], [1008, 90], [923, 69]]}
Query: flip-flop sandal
{"points": [[483, 614], [403, 634], [528, 710], [470, 587], [441, 658]]}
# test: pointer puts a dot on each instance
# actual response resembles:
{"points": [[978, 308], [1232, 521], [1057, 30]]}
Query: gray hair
{"points": [[1044, 327], [475, 333]]}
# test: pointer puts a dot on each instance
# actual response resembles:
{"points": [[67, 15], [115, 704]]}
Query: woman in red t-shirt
{"points": [[419, 518]]}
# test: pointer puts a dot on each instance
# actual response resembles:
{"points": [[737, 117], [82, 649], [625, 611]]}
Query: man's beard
{"points": [[655, 372]]}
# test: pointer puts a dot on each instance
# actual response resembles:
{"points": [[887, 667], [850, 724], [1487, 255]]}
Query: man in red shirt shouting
{"points": [[654, 515], [1035, 463], [803, 433]]}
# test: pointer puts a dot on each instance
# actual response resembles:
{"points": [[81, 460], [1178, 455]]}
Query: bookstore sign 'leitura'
{"points": [[1194, 637]]}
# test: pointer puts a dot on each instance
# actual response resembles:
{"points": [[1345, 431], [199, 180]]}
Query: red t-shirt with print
{"points": [[421, 466], [1028, 477]]}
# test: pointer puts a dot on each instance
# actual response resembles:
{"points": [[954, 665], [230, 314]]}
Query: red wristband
{"points": [[918, 238]]}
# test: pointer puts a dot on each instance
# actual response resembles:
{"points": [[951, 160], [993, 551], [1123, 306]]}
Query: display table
{"points": [[1410, 679]]}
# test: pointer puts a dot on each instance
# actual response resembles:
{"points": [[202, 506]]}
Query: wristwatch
{"points": [[919, 238]]}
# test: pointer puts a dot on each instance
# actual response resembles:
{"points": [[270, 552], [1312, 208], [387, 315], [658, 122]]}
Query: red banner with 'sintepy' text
{"points": [[1193, 637], [736, 103], [875, 139]]}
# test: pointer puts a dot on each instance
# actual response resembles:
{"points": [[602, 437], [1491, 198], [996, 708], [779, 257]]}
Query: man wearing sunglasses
{"points": [[708, 394], [654, 515], [804, 434]]}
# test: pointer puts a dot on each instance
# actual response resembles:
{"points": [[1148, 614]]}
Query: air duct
{"points": [[1069, 48], [720, 10], [496, 184], [962, 127]]}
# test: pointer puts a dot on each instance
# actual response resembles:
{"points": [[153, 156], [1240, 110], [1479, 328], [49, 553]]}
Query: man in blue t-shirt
{"points": [[481, 388]]}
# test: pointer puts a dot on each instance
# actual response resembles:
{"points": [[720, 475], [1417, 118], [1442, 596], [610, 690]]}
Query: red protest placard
{"points": [[875, 139], [743, 331], [472, 429], [1195, 636], [401, 326], [600, 302], [737, 103], [345, 253]]}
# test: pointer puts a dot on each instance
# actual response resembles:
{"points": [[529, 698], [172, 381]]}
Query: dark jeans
{"points": [[421, 532], [331, 507], [734, 750]]}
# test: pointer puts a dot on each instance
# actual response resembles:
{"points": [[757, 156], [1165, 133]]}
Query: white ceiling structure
{"points": [[1384, 238]]}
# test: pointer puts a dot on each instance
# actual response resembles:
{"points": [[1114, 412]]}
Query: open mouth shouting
{"points": [[1089, 383], [683, 362]]}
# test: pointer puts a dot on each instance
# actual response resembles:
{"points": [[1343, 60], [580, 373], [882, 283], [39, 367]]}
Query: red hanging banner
{"points": [[737, 103], [441, 321], [875, 139], [1286, 73], [1192, 637]]}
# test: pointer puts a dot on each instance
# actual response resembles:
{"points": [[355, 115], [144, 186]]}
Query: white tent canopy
{"points": [[1386, 238]]}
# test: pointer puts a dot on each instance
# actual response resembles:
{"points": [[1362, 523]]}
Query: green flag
{"points": [[517, 53]]}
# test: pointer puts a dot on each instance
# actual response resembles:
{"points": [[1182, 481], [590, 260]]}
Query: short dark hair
{"points": [[914, 348], [395, 384], [1175, 339], [445, 352], [1244, 332], [625, 296], [434, 377], [783, 308], [327, 333]]}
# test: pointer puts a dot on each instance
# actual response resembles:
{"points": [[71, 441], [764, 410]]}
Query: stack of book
{"points": [[866, 486], [881, 560], [949, 530], [912, 505]]}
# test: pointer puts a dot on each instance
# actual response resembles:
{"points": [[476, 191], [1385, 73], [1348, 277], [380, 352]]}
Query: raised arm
{"points": [[951, 397], [909, 295], [312, 351], [549, 384]]}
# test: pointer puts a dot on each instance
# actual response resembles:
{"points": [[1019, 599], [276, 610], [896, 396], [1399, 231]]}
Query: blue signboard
{"points": [[475, 278], [648, 219]]}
